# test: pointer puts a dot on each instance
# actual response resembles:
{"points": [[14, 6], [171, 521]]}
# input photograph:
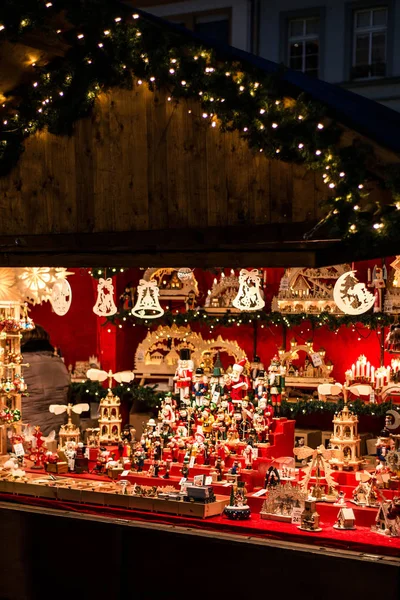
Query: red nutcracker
{"points": [[276, 380], [222, 452], [237, 384], [184, 374]]}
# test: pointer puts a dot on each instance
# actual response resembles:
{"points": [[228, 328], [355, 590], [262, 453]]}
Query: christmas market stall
{"points": [[211, 244]]}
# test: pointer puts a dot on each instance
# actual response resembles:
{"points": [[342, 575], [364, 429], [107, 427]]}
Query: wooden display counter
{"points": [[109, 494]]}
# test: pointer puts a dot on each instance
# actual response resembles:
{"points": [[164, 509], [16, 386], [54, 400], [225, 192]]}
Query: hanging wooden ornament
{"points": [[61, 297], [249, 295], [147, 304], [351, 296], [184, 273], [105, 306]]}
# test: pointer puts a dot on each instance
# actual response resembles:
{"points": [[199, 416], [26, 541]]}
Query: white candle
{"points": [[368, 369], [362, 373], [372, 374], [388, 374], [353, 371], [358, 368]]}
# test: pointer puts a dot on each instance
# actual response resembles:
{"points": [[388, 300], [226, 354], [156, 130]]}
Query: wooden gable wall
{"points": [[140, 162]]}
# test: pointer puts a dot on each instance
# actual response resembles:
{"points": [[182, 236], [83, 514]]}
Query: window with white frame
{"points": [[369, 43], [304, 47]]}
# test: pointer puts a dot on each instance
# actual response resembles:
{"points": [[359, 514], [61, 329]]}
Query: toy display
{"points": [[280, 502], [68, 433], [318, 467], [238, 509], [215, 431], [345, 442], [387, 520], [345, 519], [309, 517]]}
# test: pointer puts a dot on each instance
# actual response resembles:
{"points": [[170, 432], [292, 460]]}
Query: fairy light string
{"points": [[112, 46]]}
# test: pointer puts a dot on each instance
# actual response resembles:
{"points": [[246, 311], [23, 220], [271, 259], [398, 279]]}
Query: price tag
{"points": [[19, 450], [296, 515], [208, 480], [182, 481], [125, 473], [316, 359], [259, 493]]}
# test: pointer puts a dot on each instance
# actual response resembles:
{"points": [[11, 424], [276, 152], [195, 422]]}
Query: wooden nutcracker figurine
{"points": [[260, 385], [184, 374], [248, 456], [199, 387], [237, 384], [276, 381], [377, 281]]}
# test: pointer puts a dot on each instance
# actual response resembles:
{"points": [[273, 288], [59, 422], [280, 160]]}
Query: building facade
{"points": [[353, 44]]}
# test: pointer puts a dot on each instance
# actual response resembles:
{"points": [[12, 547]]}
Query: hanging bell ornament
{"points": [[392, 342], [249, 294], [147, 304], [105, 305]]}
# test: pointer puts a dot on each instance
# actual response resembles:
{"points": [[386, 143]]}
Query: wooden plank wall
{"points": [[141, 162]]}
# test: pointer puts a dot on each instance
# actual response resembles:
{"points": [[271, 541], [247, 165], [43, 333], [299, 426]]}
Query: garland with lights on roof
{"points": [[110, 46], [228, 319]]}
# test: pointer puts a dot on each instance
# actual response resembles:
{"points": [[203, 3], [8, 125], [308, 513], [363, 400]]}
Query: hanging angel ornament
{"points": [[249, 295], [105, 306], [61, 297], [78, 409], [99, 375], [147, 304]]}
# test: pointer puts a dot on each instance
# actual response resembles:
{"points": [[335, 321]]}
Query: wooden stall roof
{"points": [[143, 180]]}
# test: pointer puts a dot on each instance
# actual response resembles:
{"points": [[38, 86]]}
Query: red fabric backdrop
{"points": [[80, 333]]}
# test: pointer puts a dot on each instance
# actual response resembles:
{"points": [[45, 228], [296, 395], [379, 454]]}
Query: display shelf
{"points": [[362, 539]]}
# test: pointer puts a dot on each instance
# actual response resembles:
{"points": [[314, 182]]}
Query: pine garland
{"points": [[312, 407], [111, 47], [150, 399], [93, 390], [325, 319]]}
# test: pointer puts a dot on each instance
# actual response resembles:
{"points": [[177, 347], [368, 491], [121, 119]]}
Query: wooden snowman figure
{"points": [[237, 384], [184, 374], [276, 381]]}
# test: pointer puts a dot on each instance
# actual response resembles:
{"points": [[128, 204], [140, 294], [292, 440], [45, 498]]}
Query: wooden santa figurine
{"points": [[184, 374], [167, 412], [237, 384]]}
